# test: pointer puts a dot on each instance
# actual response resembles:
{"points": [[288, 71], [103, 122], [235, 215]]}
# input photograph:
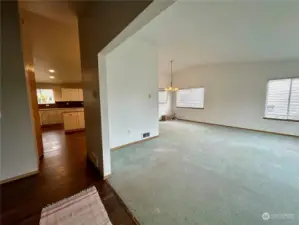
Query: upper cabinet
{"points": [[80, 94], [71, 94]]}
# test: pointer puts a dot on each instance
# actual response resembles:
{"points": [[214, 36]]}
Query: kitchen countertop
{"points": [[66, 109], [70, 111]]}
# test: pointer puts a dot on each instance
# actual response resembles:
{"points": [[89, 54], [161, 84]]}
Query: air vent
{"points": [[145, 135]]}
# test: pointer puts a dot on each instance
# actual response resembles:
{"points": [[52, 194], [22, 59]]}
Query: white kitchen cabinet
{"points": [[71, 94], [48, 117], [54, 117], [80, 93], [81, 122], [70, 121], [43, 117], [66, 94], [74, 95], [73, 121]]}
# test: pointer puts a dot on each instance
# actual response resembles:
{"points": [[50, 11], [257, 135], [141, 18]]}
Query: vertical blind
{"points": [[282, 99], [190, 98], [162, 97]]}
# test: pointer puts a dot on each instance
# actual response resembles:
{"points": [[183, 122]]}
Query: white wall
{"points": [[165, 108], [164, 81], [18, 146], [132, 82], [97, 29], [99, 32], [235, 94]]}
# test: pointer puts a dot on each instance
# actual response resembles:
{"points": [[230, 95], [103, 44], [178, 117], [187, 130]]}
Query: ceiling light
{"points": [[171, 88], [51, 71], [52, 77]]}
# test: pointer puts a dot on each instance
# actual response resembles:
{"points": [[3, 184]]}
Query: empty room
{"points": [[190, 111], [223, 79]]}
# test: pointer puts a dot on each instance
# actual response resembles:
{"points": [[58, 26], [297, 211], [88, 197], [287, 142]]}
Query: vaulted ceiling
{"points": [[208, 32], [189, 32]]}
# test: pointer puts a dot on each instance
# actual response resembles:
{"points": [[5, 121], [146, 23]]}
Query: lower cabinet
{"points": [[48, 117], [73, 121], [56, 116], [81, 120]]}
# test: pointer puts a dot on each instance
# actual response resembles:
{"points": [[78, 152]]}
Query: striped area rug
{"points": [[85, 207]]}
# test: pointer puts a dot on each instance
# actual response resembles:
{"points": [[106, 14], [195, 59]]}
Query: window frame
{"points": [[51, 103], [266, 100], [181, 107]]}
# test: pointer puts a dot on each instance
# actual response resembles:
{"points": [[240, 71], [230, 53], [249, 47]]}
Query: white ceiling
{"points": [[191, 32], [55, 41], [53, 9]]}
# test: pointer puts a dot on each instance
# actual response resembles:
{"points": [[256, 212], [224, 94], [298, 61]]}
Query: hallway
{"points": [[64, 171]]}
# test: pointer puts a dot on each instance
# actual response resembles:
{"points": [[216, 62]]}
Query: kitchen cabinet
{"points": [[80, 91], [73, 121], [81, 121], [55, 116], [48, 117], [71, 94], [70, 121]]}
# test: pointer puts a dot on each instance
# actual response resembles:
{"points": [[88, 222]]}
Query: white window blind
{"points": [[190, 98], [162, 96], [294, 101], [282, 99]]}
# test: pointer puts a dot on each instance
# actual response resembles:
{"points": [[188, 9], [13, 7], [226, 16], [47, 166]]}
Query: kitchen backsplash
{"points": [[72, 104]]}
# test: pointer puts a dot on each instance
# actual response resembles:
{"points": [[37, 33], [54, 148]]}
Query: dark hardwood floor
{"points": [[64, 171]]}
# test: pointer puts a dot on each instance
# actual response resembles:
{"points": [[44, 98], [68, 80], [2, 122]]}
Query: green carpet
{"points": [[204, 174]]}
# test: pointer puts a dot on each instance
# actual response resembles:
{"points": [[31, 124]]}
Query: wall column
{"points": [[18, 145], [103, 25]]}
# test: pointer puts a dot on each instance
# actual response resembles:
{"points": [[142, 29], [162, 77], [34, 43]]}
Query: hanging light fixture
{"points": [[171, 88]]}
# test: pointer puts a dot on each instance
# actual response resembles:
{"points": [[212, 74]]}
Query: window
{"points": [[162, 97], [190, 98], [283, 99], [45, 96]]}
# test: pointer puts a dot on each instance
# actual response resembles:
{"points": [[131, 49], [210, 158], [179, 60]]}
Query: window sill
{"points": [[188, 107], [289, 120]]}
